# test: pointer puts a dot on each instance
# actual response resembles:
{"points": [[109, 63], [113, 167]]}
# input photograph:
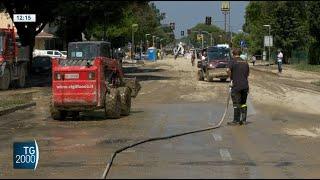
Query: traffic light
{"points": [[189, 31], [208, 20], [182, 33]]}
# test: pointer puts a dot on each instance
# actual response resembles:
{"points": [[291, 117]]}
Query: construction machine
{"points": [[14, 60], [90, 78]]}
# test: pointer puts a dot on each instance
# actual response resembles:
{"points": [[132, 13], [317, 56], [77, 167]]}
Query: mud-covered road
{"points": [[282, 139]]}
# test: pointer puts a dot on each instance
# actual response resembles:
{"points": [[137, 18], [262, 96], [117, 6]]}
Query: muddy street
{"points": [[280, 141]]}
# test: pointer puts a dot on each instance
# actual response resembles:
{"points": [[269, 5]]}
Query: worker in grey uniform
{"points": [[238, 71]]}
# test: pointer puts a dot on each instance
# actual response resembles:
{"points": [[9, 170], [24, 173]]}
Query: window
{"points": [[105, 50], [218, 54], [85, 51], [57, 53], [50, 52]]}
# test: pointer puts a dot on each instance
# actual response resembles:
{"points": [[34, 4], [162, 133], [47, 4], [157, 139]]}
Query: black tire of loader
{"points": [[125, 94], [57, 114], [113, 104]]}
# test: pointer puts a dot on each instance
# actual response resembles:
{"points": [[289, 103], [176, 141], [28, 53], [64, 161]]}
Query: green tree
{"points": [[238, 37], [217, 34], [288, 25], [314, 29], [119, 32]]}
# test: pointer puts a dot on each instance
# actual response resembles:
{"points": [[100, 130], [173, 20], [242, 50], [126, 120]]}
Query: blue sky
{"points": [[187, 14]]}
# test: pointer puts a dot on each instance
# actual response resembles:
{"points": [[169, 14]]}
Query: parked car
{"points": [[41, 65], [64, 52], [51, 53]]}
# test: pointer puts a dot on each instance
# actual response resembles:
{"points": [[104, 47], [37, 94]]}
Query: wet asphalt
{"points": [[81, 149]]}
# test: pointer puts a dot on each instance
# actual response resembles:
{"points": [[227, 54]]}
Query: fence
{"points": [[299, 56]]}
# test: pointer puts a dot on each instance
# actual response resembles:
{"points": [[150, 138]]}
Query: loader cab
{"points": [[89, 50]]}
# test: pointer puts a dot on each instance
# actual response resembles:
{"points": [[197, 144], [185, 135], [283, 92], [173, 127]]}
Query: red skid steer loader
{"points": [[89, 79]]}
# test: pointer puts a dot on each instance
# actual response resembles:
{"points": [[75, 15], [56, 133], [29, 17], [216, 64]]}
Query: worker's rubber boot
{"points": [[243, 110], [236, 116]]}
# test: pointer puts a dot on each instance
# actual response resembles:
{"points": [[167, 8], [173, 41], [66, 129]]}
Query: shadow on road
{"points": [[97, 115], [149, 77], [140, 70], [218, 81], [39, 80]]}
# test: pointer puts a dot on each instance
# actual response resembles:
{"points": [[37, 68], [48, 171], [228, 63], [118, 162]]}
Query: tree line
{"points": [[295, 25], [93, 18]]}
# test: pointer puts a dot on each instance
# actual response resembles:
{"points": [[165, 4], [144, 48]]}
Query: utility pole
{"points": [[141, 49], [106, 21], [202, 40], [269, 42], [147, 42], [104, 26], [134, 29], [153, 41], [132, 45], [225, 21], [229, 26]]}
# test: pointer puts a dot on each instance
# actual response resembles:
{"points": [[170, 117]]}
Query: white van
{"points": [[51, 53]]}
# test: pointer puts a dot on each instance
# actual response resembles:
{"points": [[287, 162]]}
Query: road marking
{"points": [[225, 155], [217, 137]]}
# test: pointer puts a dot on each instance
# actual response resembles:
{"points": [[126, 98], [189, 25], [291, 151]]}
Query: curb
{"points": [[15, 108]]}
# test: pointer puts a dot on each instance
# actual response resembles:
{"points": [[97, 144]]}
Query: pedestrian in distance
{"points": [[279, 60], [193, 57], [253, 59], [204, 55], [238, 71]]}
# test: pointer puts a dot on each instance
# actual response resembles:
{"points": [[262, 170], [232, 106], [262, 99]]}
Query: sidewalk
{"points": [[287, 72]]}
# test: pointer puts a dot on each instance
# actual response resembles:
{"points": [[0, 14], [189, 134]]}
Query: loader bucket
{"points": [[133, 84]]}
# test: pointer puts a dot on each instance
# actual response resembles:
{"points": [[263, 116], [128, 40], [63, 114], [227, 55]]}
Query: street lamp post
{"points": [[153, 40], [161, 47], [134, 28], [269, 26], [157, 42], [210, 36], [202, 40], [147, 39], [106, 21]]}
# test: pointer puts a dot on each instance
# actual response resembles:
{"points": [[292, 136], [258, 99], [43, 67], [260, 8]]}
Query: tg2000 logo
{"points": [[25, 155]]}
